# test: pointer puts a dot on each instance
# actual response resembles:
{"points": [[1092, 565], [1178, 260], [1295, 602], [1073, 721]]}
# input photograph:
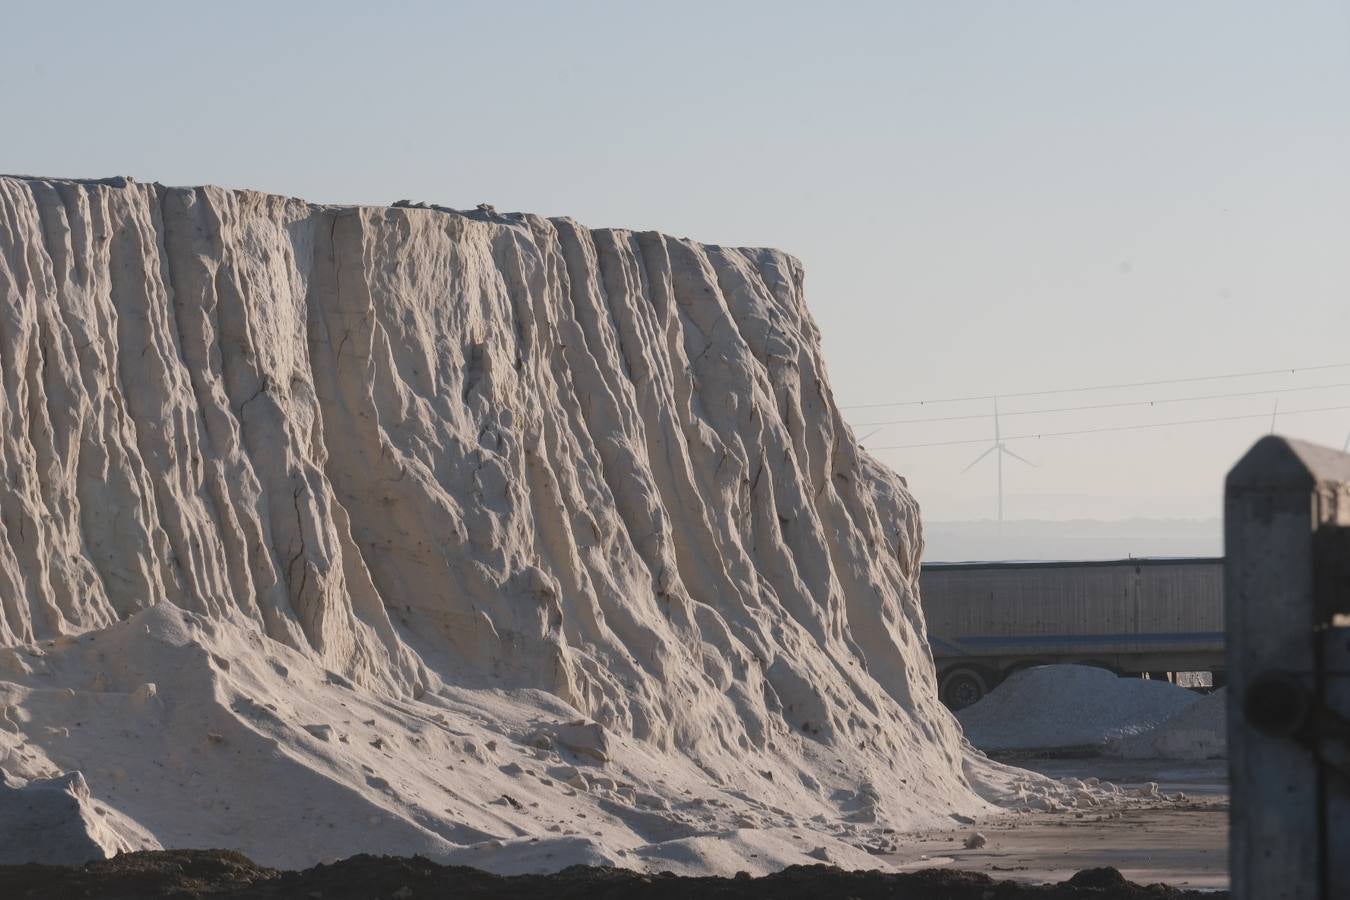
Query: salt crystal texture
{"points": [[366, 518], [1197, 731], [55, 821]]}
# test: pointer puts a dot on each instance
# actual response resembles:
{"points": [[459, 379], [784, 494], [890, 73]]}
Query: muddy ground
{"points": [[221, 874]]}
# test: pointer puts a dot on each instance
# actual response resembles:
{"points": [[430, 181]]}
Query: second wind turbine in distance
{"points": [[1002, 450]]}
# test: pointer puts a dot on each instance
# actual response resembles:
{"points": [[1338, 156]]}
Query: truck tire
{"points": [[962, 686]]}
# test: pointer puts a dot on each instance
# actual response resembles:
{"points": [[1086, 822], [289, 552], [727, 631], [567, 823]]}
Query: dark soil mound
{"points": [[220, 874]]}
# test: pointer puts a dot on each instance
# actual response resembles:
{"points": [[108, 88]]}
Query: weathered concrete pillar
{"points": [[1287, 603]]}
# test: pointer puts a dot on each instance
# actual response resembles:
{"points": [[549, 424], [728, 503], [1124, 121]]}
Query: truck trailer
{"points": [[987, 620]]}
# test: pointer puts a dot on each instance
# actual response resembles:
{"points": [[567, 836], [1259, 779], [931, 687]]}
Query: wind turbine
{"points": [[1002, 450]]}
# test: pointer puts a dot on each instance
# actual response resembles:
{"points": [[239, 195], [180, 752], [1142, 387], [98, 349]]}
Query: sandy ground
{"points": [[1182, 844]]}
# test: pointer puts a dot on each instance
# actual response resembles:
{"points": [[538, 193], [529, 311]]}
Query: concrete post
{"points": [[1287, 606]]}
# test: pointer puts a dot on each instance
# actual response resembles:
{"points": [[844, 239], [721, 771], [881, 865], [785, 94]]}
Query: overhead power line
{"points": [[1050, 434], [1100, 387], [1126, 403]]}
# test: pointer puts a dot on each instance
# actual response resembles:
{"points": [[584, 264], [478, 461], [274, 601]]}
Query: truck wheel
{"points": [[962, 687]]}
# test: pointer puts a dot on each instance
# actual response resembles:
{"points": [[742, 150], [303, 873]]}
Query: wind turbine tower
{"points": [[1001, 450]]}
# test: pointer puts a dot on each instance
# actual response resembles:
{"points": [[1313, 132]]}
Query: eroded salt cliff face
{"points": [[450, 461]]}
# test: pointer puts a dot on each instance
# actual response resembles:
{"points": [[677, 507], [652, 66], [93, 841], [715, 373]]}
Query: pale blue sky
{"points": [[987, 196]]}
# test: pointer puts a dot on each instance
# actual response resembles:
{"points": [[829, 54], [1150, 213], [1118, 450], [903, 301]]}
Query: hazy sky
{"points": [[1005, 196]]}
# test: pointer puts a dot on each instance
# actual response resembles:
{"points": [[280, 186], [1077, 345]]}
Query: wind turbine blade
{"points": [[1019, 458], [978, 458]]}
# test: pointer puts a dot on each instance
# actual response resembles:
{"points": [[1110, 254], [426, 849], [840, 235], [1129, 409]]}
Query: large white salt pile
{"points": [[1056, 707], [488, 537], [1197, 731]]}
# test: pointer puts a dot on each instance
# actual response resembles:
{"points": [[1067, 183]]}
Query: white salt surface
{"points": [[1050, 707], [488, 537], [1198, 731]]}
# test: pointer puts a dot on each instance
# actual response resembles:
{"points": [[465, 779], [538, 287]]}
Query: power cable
{"points": [[1127, 403], [1050, 434], [1101, 387]]}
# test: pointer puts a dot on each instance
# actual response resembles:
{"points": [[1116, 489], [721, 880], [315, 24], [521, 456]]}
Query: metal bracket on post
{"points": [[1281, 705], [1287, 605]]}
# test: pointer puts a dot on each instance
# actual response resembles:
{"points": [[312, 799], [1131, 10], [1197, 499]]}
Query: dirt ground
{"points": [[219, 874], [1185, 847], [1181, 844], [1028, 857]]}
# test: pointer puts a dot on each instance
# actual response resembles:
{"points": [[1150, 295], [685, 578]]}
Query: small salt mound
{"points": [[55, 821], [1198, 731], [1051, 707]]}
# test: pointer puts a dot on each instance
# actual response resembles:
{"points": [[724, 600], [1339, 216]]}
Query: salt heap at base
{"points": [[487, 537], [54, 821], [1064, 706], [1197, 731]]}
